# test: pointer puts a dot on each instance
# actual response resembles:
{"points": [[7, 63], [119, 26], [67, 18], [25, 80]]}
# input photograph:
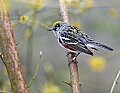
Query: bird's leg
{"points": [[74, 58], [76, 55]]}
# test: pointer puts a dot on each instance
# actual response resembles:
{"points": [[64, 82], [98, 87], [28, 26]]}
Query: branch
{"points": [[74, 76], [67, 83], [36, 71], [64, 11], [9, 51], [115, 82]]}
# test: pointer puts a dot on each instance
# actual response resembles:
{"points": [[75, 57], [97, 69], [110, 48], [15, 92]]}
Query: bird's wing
{"points": [[86, 39], [89, 42], [72, 41], [81, 36]]}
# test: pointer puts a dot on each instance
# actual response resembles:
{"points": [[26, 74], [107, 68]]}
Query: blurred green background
{"points": [[98, 18]]}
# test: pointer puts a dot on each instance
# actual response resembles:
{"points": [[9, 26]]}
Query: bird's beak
{"points": [[50, 29]]}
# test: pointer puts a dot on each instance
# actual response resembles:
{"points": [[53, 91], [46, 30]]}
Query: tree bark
{"points": [[74, 75], [10, 53]]}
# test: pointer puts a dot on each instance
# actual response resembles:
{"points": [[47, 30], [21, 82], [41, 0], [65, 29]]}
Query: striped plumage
{"points": [[74, 39]]}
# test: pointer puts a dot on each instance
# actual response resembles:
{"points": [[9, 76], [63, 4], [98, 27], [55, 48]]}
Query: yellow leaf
{"points": [[113, 12], [37, 4], [86, 4], [51, 88], [82, 6], [23, 19], [97, 63]]}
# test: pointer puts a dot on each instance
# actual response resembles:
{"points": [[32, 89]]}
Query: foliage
{"points": [[82, 6], [113, 12], [51, 88], [97, 63]]}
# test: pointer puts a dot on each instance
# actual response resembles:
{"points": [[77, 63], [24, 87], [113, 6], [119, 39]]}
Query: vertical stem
{"points": [[29, 60], [74, 76], [29, 52], [29, 55], [115, 82], [10, 53]]}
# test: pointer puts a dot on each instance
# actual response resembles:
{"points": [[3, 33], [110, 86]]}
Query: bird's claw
{"points": [[73, 60], [68, 54]]}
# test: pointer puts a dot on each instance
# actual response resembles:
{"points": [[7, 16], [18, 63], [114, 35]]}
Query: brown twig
{"points": [[74, 76], [10, 53], [68, 83]]}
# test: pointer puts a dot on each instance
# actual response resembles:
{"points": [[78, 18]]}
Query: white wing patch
{"points": [[90, 46], [64, 38], [67, 39]]}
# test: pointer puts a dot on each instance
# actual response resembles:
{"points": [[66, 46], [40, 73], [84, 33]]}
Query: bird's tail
{"points": [[101, 46]]}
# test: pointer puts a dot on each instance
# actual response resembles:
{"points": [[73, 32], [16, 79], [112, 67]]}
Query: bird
{"points": [[75, 40]]}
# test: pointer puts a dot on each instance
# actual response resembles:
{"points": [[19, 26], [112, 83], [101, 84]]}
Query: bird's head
{"points": [[57, 26]]}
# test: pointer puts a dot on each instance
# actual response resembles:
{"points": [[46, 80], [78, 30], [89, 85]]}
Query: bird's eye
{"points": [[57, 25]]}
